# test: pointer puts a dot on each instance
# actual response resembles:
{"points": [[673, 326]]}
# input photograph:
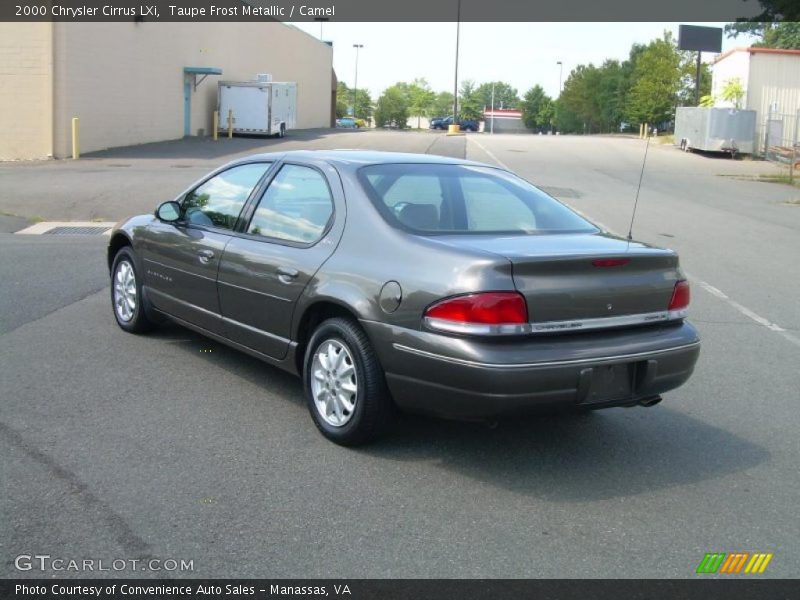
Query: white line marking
{"points": [[744, 310], [45, 226], [489, 152], [703, 284]]}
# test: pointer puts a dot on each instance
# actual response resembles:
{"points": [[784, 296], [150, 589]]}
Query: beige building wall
{"points": [[774, 81], [26, 90], [125, 80], [770, 78]]}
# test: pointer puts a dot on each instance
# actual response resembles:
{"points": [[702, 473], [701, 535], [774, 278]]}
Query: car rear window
{"points": [[441, 198]]}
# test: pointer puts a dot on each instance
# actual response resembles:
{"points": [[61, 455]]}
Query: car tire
{"points": [[126, 289], [344, 384]]}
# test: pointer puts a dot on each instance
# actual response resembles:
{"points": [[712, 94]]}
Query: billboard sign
{"points": [[700, 39]]}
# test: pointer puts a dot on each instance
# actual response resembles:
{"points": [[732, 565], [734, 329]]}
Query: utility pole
{"points": [[492, 127], [455, 82], [355, 82], [560, 73], [321, 21], [697, 81]]}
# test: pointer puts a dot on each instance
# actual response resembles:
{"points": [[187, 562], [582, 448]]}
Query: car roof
{"points": [[360, 157]]}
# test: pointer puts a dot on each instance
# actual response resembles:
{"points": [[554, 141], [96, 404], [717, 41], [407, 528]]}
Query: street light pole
{"points": [[455, 82], [492, 127], [321, 21], [355, 81], [560, 73]]}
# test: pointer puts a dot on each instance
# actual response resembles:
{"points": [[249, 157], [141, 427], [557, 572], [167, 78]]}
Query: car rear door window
{"points": [[415, 200], [296, 207], [218, 201], [491, 207]]}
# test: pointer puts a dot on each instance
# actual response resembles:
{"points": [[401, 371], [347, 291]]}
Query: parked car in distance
{"points": [[347, 123], [464, 124], [402, 281], [436, 123]]}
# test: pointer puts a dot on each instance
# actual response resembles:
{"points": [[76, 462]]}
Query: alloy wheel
{"points": [[334, 383], [125, 297]]}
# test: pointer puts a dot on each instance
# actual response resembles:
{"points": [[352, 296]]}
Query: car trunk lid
{"points": [[577, 277]]}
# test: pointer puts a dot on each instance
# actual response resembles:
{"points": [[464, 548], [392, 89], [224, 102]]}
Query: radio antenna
{"points": [[638, 189]]}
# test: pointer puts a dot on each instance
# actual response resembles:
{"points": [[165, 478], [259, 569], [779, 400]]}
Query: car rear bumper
{"points": [[470, 377]]}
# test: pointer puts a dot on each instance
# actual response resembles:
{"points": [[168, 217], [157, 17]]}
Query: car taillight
{"points": [[486, 313], [680, 297]]}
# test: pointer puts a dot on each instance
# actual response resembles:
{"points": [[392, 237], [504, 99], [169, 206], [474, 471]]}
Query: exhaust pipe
{"points": [[651, 401]]}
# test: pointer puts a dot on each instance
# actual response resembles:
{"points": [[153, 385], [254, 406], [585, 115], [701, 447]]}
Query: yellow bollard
{"points": [[216, 125], [230, 123], [76, 138], [641, 130], [646, 130], [453, 129]]}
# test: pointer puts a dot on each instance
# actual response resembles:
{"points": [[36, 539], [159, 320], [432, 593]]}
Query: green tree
{"points": [[604, 89], [567, 120], [733, 91], [344, 100], [470, 105], [505, 96], [580, 100], [686, 94], [420, 99], [547, 113], [442, 105], [706, 101], [657, 79], [779, 10], [531, 106], [363, 106], [595, 99], [783, 34], [392, 107]]}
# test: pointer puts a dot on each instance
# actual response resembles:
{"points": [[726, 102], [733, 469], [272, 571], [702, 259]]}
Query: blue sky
{"points": [[522, 54]]}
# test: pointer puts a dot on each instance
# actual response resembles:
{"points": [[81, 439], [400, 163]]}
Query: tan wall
{"points": [[125, 80], [774, 78], [25, 90]]}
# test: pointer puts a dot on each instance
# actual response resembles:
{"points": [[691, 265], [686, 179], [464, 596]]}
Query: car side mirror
{"points": [[169, 211]]}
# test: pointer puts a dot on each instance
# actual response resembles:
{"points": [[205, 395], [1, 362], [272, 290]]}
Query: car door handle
{"points": [[287, 274], [205, 256]]}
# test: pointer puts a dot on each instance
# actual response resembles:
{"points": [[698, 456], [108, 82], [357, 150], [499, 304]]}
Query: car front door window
{"points": [[218, 201]]}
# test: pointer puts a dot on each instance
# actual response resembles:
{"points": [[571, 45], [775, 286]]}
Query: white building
{"points": [[771, 81]]}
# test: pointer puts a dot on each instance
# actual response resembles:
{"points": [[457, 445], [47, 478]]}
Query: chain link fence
{"points": [[782, 141]]}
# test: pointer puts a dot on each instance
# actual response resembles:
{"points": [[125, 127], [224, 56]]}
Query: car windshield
{"points": [[441, 198]]}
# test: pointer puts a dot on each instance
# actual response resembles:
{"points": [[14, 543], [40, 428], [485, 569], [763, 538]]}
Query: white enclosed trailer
{"points": [[258, 107], [715, 129]]}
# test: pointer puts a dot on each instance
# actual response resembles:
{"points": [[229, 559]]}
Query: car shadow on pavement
{"points": [[618, 452], [612, 453], [275, 381]]}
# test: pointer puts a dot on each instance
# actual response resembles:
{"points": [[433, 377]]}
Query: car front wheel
{"points": [[344, 384], [126, 293]]}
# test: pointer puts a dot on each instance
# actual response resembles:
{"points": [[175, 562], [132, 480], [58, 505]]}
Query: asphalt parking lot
{"points": [[172, 446]]}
